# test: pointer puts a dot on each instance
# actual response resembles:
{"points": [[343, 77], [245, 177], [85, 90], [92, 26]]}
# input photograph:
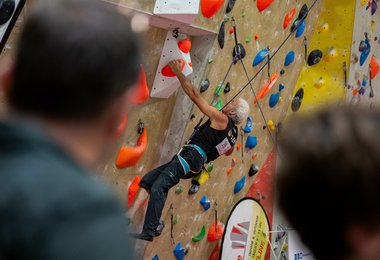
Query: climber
{"points": [[214, 138]]}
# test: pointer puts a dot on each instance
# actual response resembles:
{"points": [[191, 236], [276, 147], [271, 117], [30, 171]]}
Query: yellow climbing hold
{"points": [[203, 177], [320, 82], [373, 25], [271, 126], [331, 54], [324, 27], [363, 2]]}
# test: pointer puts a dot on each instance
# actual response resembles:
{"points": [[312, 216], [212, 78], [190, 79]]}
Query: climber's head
{"points": [[237, 110]]}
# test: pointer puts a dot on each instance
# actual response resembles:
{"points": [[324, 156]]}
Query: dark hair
{"points": [[74, 57], [330, 177]]}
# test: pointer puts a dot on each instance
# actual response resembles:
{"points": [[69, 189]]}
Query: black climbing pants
{"points": [[159, 181]]}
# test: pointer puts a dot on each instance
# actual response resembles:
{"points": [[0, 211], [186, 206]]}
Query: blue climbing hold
{"points": [[239, 185], [365, 52], [248, 127], [179, 252], [260, 57], [281, 87], [301, 29], [155, 257], [251, 142], [205, 202], [290, 58], [273, 100]]}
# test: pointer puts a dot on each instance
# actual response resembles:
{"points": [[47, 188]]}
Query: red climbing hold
{"points": [[211, 7], [167, 71], [129, 156], [267, 87], [141, 92], [263, 4], [289, 17], [215, 232], [185, 45], [375, 67], [132, 190], [232, 30], [121, 127]]}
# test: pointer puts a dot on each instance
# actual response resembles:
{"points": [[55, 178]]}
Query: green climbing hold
{"points": [[210, 61], [226, 19], [210, 167], [179, 189], [176, 220], [219, 89], [200, 236], [249, 38], [244, 14], [219, 105]]}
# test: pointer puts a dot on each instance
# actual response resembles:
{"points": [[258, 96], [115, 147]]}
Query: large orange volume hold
{"points": [[132, 190], [130, 156], [267, 87], [263, 4], [211, 7], [141, 93], [375, 67]]}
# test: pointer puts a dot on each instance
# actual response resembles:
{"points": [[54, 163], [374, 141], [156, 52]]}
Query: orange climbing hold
{"points": [[121, 127], [215, 232], [141, 92], [185, 45], [129, 156], [267, 87], [289, 17], [238, 146], [254, 155], [167, 71], [263, 4], [210, 7], [232, 30], [229, 170], [256, 36], [132, 190], [375, 67]]}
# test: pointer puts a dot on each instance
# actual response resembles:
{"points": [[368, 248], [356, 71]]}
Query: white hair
{"points": [[241, 111]]}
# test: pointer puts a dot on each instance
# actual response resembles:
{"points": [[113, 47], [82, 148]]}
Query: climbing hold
{"points": [[244, 14], [297, 100], [282, 72], [167, 71], [254, 155], [229, 170], [141, 93], [314, 57], [289, 58], [375, 67], [205, 202], [230, 5], [202, 178], [185, 45], [215, 232], [178, 190], [253, 170], [256, 36], [231, 31], [260, 57], [218, 90], [267, 87], [365, 53], [363, 2], [239, 185], [219, 105], [204, 85], [221, 35], [320, 83], [273, 100], [301, 29], [263, 4], [281, 87], [121, 127], [295, 25], [238, 146], [324, 28], [140, 127], [249, 38], [249, 125], [210, 61], [233, 162], [133, 189], [289, 17], [210, 167], [176, 219], [271, 126], [194, 188], [331, 54], [227, 88], [155, 257], [179, 252], [200, 236], [374, 7], [129, 156], [303, 12], [238, 53], [362, 46], [210, 7], [251, 142]]}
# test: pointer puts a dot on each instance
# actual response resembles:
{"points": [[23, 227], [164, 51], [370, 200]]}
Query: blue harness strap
{"points": [[184, 163]]}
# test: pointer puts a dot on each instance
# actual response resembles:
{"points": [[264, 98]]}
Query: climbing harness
{"points": [[184, 163]]}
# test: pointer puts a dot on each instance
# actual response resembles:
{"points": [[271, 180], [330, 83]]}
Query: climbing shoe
{"points": [[141, 236], [193, 189], [160, 228]]}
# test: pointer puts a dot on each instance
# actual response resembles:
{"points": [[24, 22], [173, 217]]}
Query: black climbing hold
{"points": [[282, 72], [192, 116], [194, 188], [140, 127], [6, 10], [297, 100], [227, 88], [295, 25], [204, 85], [264, 127], [238, 53], [160, 228], [314, 57], [253, 170], [221, 35], [186, 251], [303, 12], [230, 5]]}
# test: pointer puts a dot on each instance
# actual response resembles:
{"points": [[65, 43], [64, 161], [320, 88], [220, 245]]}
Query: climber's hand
{"points": [[174, 65]]}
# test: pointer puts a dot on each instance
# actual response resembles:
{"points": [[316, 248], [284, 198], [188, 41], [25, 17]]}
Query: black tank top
{"points": [[215, 142]]}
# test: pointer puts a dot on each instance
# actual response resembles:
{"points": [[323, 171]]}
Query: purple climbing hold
{"points": [[179, 252], [205, 202], [374, 7], [251, 142], [239, 185], [248, 127]]}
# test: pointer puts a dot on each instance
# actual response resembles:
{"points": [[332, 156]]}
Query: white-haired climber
{"points": [[214, 138]]}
